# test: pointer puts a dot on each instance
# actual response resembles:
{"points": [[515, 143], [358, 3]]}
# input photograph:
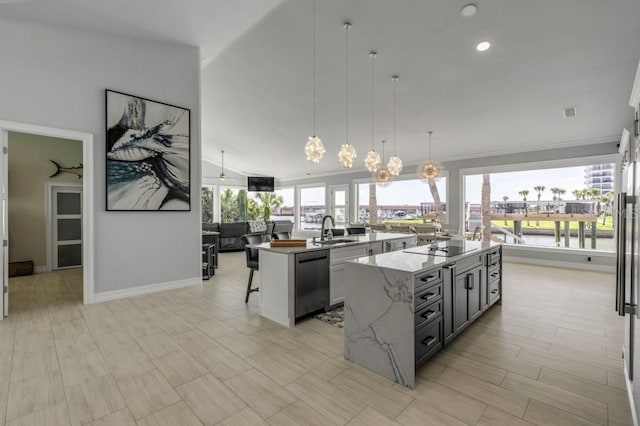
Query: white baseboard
{"points": [[144, 289], [559, 264], [40, 269], [276, 317], [634, 415]]}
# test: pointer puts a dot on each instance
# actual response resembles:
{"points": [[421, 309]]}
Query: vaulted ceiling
{"points": [[257, 72]]}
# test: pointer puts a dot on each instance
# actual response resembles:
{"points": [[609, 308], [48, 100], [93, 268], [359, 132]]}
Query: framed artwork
{"points": [[148, 154]]}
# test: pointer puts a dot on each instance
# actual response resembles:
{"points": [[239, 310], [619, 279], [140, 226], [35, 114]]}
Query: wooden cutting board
{"points": [[288, 243]]}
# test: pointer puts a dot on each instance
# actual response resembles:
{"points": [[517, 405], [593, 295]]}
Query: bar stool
{"points": [[252, 260]]}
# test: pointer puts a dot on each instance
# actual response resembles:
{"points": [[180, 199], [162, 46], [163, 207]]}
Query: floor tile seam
{"points": [[580, 416], [442, 383], [579, 379], [573, 362], [564, 391]]}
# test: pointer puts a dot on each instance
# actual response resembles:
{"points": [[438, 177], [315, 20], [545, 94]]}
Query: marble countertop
{"points": [[358, 239], [421, 258]]}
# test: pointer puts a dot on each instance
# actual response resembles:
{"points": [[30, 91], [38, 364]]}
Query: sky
{"points": [[415, 191]]}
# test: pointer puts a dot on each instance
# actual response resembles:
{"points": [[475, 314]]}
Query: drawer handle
{"points": [[494, 264], [429, 314], [429, 341], [428, 296], [494, 291], [495, 274], [427, 278]]}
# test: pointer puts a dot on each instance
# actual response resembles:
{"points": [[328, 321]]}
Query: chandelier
{"points": [[314, 147], [373, 161], [395, 163], [429, 169]]}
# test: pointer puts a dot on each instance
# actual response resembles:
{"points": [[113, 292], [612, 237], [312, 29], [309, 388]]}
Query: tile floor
{"points": [[549, 355]]}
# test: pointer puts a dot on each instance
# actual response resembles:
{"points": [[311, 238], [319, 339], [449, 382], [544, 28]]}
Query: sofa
{"points": [[231, 233]]}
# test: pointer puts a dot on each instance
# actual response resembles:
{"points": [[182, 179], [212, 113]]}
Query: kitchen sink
{"points": [[335, 241]]}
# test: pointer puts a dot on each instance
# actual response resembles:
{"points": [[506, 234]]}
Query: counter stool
{"points": [[252, 260]]}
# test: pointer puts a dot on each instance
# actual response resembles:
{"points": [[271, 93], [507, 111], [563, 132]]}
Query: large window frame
{"points": [[298, 204], [444, 174], [541, 165]]}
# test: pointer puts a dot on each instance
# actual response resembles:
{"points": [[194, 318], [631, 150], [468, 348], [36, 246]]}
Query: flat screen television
{"points": [[260, 184]]}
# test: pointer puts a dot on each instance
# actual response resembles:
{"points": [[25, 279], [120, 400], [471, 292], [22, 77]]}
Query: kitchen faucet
{"points": [[333, 224]]}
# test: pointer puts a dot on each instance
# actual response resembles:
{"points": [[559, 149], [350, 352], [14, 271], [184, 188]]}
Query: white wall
{"points": [[29, 170], [57, 77]]}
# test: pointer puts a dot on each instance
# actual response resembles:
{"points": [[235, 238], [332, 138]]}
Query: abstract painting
{"points": [[148, 154]]}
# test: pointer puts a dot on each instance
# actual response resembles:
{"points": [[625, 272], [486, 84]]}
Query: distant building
{"points": [[600, 177]]}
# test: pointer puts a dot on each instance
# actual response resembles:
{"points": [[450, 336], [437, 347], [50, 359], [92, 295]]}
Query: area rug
{"points": [[334, 317]]}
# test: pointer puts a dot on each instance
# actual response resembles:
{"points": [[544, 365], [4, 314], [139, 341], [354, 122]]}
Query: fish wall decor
{"points": [[71, 170]]}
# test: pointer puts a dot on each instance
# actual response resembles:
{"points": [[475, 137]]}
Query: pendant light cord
{"points": [[430, 132], [373, 57], [347, 27], [314, 66], [395, 103], [383, 142]]}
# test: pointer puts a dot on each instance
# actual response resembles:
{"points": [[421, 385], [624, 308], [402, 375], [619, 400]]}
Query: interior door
{"points": [[4, 226], [67, 227], [340, 205]]}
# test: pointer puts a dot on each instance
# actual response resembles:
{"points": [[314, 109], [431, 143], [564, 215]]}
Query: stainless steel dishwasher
{"points": [[312, 282]]}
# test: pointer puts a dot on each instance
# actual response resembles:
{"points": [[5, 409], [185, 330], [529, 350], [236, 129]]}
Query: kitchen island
{"points": [[297, 281], [402, 307]]}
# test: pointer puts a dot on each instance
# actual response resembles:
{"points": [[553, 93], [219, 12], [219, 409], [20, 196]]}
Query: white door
{"points": [[340, 205], [66, 220], [4, 226]]}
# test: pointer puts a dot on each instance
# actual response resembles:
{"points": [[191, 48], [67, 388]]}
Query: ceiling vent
{"points": [[569, 112]]}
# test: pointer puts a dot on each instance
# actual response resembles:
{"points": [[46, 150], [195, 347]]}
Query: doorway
{"points": [[81, 223]]}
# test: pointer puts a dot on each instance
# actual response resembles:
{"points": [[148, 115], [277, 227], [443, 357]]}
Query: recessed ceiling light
{"points": [[469, 10], [483, 46]]}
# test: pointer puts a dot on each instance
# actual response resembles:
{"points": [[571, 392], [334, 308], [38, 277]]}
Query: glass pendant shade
{"points": [[372, 162], [394, 165], [347, 155], [383, 177], [429, 170], [314, 149]]}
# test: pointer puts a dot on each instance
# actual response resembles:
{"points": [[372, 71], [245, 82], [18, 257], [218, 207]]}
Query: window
{"points": [[286, 208], [207, 204], [312, 206], [233, 205], [534, 207], [404, 201]]}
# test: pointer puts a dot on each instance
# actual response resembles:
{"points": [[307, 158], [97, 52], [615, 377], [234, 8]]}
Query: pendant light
{"points": [[314, 147], [429, 169], [347, 152], [383, 176], [373, 161], [395, 163], [222, 175]]}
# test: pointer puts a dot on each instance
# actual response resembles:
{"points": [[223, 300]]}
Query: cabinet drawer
{"points": [[494, 275], [428, 295], [339, 255], [428, 313], [469, 262], [493, 258], [426, 279], [494, 291], [428, 341]]}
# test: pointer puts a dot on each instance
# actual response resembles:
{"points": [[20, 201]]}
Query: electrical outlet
{"points": [[589, 259]]}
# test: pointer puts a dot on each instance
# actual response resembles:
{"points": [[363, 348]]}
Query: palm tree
{"points": [[607, 199], [539, 189], [505, 199], [486, 207], [373, 204], [270, 201], [561, 192], [207, 205], [228, 206], [524, 194], [436, 199], [577, 193]]}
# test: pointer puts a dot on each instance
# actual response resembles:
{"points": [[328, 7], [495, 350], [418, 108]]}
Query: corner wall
{"points": [[56, 77]]}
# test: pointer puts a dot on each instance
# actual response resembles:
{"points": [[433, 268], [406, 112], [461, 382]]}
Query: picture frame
{"points": [[147, 154]]}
